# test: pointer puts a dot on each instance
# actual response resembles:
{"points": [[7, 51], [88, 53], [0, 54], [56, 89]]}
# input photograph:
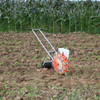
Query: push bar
{"points": [[48, 52]]}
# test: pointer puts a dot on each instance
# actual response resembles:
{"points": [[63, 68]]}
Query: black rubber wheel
{"points": [[47, 64]]}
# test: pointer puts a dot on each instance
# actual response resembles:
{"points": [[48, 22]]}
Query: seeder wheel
{"points": [[60, 63], [47, 64]]}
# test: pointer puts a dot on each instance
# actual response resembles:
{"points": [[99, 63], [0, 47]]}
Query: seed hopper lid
{"points": [[65, 51]]}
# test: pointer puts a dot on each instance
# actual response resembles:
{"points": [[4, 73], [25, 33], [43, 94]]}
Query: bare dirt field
{"points": [[23, 78]]}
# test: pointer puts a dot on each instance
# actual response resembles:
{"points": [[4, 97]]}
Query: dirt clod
{"points": [[65, 98]]}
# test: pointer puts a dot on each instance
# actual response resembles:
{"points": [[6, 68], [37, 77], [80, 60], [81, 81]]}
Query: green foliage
{"points": [[54, 16]]}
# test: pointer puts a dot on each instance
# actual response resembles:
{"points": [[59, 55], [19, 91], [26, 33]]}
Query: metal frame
{"points": [[49, 56]]}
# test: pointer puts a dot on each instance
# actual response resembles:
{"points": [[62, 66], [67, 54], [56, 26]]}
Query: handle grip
{"points": [[34, 29], [41, 29], [29, 29]]}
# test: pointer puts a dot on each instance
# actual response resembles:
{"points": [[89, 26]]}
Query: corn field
{"points": [[52, 15]]}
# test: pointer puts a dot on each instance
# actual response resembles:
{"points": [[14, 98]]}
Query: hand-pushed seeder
{"points": [[59, 60]]}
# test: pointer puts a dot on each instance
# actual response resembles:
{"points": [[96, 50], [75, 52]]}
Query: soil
{"points": [[23, 78]]}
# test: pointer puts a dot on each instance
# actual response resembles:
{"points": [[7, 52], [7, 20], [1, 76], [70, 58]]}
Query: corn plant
{"points": [[55, 16], [70, 18]]}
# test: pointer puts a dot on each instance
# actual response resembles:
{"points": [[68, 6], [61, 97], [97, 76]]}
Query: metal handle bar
{"points": [[48, 52], [48, 41]]}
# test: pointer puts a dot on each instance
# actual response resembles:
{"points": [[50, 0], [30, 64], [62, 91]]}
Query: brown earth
{"points": [[23, 78]]}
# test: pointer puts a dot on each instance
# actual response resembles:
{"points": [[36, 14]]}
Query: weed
{"points": [[87, 44], [31, 50], [74, 66], [26, 64], [83, 35], [71, 42], [2, 45], [20, 42], [43, 58], [55, 73], [4, 49], [23, 57], [72, 46], [7, 86], [35, 57], [63, 44], [1, 97], [8, 73], [18, 63], [95, 65], [94, 53], [78, 74], [38, 65], [37, 81], [92, 58], [76, 59], [15, 50], [1, 63], [25, 72], [30, 89], [85, 58], [0, 42], [84, 73], [71, 58], [47, 80], [57, 47], [66, 73], [83, 47], [1, 91], [16, 73], [4, 72], [98, 97], [15, 83], [34, 72], [30, 94], [98, 75]]}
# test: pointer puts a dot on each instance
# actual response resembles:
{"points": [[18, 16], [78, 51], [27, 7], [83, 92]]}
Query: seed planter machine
{"points": [[58, 60]]}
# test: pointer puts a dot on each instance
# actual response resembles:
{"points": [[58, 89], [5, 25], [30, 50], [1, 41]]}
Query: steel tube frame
{"points": [[48, 52]]}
